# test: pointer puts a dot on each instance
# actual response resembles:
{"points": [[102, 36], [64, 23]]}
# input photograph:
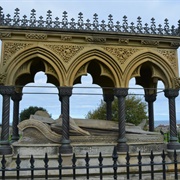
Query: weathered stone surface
{"points": [[74, 128], [34, 131], [42, 113], [47, 130], [35, 149], [42, 119]]}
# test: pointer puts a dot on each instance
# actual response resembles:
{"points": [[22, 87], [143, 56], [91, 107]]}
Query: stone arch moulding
{"points": [[21, 63], [109, 67], [162, 68]]}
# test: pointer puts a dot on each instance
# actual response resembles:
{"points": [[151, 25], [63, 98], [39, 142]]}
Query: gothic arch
{"points": [[160, 66], [109, 69], [22, 64]]}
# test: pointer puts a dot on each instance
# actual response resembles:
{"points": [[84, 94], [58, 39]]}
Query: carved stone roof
{"points": [[48, 23]]}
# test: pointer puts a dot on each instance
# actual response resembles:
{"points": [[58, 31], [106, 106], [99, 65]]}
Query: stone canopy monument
{"points": [[67, 49], [40, 129]]}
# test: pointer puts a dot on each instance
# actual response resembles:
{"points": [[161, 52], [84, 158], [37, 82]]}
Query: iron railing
{"points": [[130, 169], [86, 25]]}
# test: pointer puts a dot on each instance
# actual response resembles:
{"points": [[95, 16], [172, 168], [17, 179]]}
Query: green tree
{"points": [[25, 114], [135, 111]]}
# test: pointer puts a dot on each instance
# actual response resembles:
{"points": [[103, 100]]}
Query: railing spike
{"points": [[60, 160], [46, 160], [3, 162], [32, 166], [74, 165], [74, 158], [87, 159]]}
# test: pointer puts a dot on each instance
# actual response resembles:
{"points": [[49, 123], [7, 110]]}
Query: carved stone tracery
{"points": [[122, 54], [82, 71], [123, 41], [51, 70], [10, 48], [66, 52], [36, 36], [5, 35], [105, 70], [2, 78], [170, 55], [66, 38], [150, 42], [95, 39], [176, 82]]}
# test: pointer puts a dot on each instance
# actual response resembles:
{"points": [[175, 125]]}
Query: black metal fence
{"points": [[126, 170]]}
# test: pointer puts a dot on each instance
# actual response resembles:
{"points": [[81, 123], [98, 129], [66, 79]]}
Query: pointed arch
{"points": [[22, 65], [108, 67], [160, 66]]}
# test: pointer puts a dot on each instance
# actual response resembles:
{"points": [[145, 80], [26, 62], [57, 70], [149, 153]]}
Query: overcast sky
{"points": [[159, 9]]}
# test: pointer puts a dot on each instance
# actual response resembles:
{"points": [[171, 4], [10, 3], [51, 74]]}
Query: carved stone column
{"points": [[121, 93], [65, 93], [150, 98], [108, 98], [6, 92], [60, 99], [171, 94], [15, 132]]}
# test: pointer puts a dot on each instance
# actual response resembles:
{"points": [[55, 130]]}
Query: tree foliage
{"points": [[135, 110], [25, 114]]}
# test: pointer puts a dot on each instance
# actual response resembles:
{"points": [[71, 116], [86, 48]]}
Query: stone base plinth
{"points": [[35, 149]]}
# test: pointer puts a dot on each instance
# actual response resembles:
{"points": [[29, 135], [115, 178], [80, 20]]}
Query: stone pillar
{"points": [[60, 99], [16, 97], [108, 98], [6, 92], [65, 93], [171, 94], [121, 93], [150, 98]]}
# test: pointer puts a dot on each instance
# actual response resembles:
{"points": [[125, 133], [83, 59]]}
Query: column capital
{"points": [[16, 96], [150, 97], [171, 93], [65, 91], [7, 90], [121, 92], [108, 97]]}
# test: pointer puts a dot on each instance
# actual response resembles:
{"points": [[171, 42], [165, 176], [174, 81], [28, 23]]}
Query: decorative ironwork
{"points": [[153, 170], [86, 25]]}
